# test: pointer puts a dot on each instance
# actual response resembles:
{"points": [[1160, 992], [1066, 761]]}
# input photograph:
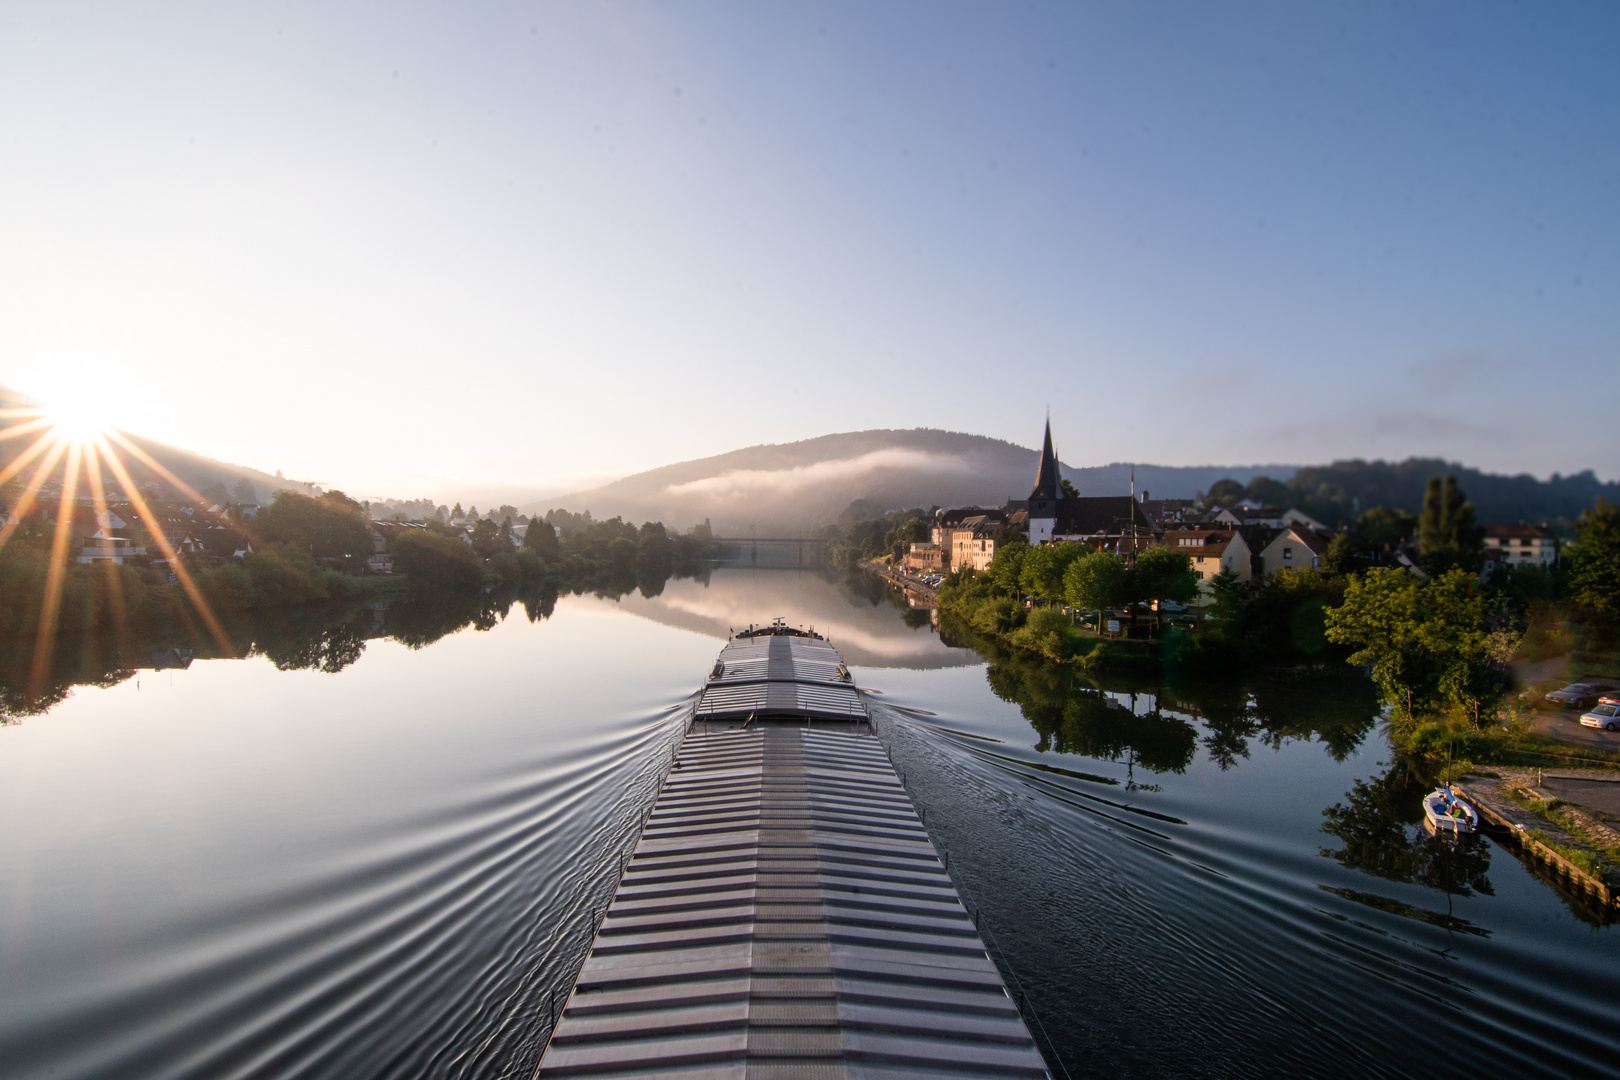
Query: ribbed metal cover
{"points": [[785, 916], [780, 676]]}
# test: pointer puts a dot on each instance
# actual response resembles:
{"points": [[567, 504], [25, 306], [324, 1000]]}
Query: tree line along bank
{"points": [[302, 550]]}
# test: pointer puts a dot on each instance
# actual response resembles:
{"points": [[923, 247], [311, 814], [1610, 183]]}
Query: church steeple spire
{"points": [[1047, 488]]}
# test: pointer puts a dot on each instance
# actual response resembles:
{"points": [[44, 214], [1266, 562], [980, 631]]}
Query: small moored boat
{"points": [[1445, 811]]}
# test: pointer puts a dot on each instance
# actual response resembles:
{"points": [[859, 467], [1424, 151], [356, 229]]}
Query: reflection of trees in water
{"points": [[1073, 715], [871, 588], [1379, 824], [1334, 703], [1095, 725], [916, 618], [326, 638], [1079, 713], [294, 644]]}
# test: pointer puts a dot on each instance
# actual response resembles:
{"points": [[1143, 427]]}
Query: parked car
{"points": [[1606, 717], [1610, 698], [1576, 696]]}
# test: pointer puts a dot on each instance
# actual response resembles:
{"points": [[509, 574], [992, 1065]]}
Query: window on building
{"points": [[1288, 553]]}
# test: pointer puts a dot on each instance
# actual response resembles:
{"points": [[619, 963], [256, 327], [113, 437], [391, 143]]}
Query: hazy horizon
{"points": [[490, 247]]}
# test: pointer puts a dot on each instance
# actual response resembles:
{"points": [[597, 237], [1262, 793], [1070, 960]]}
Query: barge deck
{"points": [[784, 915]]}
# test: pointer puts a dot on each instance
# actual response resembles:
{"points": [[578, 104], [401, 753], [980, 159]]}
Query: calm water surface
{"points": [[233, 870]]}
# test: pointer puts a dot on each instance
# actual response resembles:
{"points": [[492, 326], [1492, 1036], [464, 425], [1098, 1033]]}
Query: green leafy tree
{"points": [[1225, 493], [1231, 598], [1470, 656], [1007, 565], [506, 531], [1068, 490], [1164, 573], [341, 501], [1385, 527], [283, 575], [1448, 535], [1288, 613], [437, 560], [1041, 574], [622, 552], [1382, 617], [456, 512], [1427, 642], [652, 545], [329, 527], [1096, 581], [1341, 557], [1269, 492], [486, 538], [1594, 583], [541, 538]]}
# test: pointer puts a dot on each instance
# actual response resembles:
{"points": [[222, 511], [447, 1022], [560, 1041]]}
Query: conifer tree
{"points": [[1448, 535]]}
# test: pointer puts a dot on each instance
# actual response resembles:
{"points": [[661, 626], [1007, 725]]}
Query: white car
{"points": [[1606, 717]]}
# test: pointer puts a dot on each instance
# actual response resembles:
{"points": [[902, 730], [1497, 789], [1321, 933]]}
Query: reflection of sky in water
{"points": [[866, 635]]}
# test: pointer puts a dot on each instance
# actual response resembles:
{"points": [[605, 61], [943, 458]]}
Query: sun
{"points": [[78, 421]]}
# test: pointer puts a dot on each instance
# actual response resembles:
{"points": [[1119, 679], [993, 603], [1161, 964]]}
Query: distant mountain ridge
{"points": [[788, 489], [1344, 489], [792, 489]]}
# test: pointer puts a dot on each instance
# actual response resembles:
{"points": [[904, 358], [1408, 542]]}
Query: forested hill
{"points": [[786, 489], [1338, 492]]}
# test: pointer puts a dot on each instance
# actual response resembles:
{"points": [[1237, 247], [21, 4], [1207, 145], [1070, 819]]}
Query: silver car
{"points": [[1606, 717]]}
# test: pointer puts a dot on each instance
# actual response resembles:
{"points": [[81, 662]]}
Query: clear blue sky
{"points": [[392, 244]]}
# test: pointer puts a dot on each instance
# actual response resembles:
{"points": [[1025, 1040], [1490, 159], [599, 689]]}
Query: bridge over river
{"points": [[778, 551]]}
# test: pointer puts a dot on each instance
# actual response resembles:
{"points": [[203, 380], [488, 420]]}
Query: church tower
{"points": [[1043, 501]]}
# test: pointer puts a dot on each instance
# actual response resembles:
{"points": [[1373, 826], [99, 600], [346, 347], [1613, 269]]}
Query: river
{"points": [[382, 859]]}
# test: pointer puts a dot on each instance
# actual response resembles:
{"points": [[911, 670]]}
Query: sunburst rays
{"points": [[82, 456]]}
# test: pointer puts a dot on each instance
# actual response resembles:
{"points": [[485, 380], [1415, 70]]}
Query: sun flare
{"points": [[78, 421], [53, 452]]}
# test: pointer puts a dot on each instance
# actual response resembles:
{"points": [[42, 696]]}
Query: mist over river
{"points": [[233, 870]]}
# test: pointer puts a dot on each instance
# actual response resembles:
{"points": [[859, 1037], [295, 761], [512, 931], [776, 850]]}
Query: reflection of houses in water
{"points": [[919, 600], [170, 659]]}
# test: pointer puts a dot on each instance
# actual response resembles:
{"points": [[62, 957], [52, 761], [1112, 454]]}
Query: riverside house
{"points": [[383, 535], [973, 544], [924, 558], [1519, 545], [1211, 552], [1296, 547]]}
